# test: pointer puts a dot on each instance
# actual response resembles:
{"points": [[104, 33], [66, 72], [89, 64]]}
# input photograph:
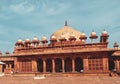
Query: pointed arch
{"points": [[40, 65], [48, 65], [68, 65], [78, 64], [58, 65]]}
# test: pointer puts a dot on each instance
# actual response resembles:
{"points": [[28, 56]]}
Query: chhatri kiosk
{"points": [[66, 52]]}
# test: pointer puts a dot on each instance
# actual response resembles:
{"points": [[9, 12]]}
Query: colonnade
{"points": [[60, 65]]}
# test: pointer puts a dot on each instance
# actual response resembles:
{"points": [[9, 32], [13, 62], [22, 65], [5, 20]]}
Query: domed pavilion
{"points": [[66, 52]]}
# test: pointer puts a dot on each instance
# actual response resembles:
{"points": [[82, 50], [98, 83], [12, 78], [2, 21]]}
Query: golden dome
{"points": [[66, 33]]}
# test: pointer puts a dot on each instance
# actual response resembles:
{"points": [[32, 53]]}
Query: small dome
{"points": [[104, 33], [7, 52], [52, 37], [19, 42], [72, 37], [83, 36], [35, 40], [44, 38], [116, 44], [93, 35], [27, 40]]}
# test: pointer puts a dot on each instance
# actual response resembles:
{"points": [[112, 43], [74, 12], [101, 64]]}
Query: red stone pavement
{"points": [[61, 80]]}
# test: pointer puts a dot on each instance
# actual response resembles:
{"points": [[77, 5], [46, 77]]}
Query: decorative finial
{"points": [[66, 23]]}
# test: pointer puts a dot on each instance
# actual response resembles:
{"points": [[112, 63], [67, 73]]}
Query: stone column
{"points": [[17, 65], [1, 66], [117, 62], [10, 66], [104, 64], [85, 64], [63, 65], [73, 65], [34, 66], [107, 65], [44, 65], [6, 66], [53, 65]]}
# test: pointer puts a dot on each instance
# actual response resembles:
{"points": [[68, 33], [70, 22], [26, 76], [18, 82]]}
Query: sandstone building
{"points": [[66, 52]]}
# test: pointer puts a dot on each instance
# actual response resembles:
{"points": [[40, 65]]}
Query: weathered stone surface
{"points": [[61, 80]]}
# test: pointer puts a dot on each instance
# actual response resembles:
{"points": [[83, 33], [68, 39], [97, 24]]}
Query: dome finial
{"points": [[66, 23]]}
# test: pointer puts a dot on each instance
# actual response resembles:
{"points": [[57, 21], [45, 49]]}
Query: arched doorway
{"points": [[68, 65], [58, 65], [111, 64], [78, 64], [3, 67], [40, 65], [48, 65]]}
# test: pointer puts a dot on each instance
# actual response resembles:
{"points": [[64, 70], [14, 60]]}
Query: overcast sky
{"points": [[29, 18]]}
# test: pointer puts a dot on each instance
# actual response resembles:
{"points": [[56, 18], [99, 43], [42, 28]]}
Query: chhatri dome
{"points": [[66, 31]]}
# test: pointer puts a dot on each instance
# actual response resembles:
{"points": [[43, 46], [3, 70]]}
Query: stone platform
{"points": [[60, 80]]}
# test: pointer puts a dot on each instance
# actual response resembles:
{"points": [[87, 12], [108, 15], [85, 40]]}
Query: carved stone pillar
{"points": [[63, 65], [53, 65], [73, 65]]}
